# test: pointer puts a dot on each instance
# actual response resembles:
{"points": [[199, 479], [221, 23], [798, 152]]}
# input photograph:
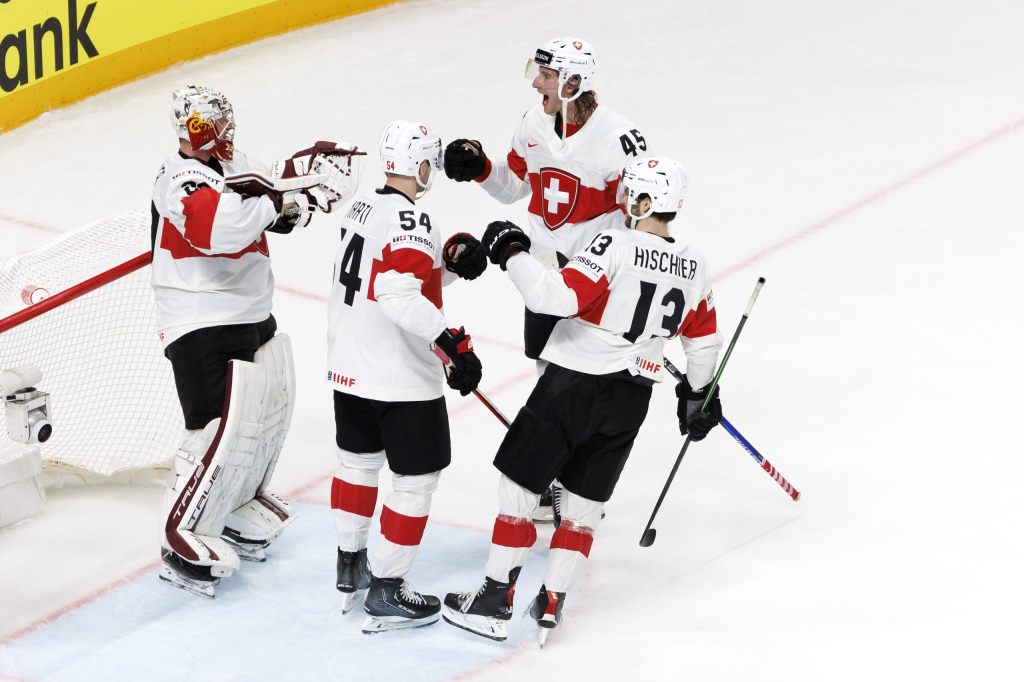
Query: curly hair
{"points": [[586, 104]]}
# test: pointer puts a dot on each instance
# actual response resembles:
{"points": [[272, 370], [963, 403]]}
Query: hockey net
{"points": [[81, 309]]}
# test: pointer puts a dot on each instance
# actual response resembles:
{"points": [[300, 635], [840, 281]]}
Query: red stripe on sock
{"points": [[401, 529], [357, 499], [573, 538], [513, 531]]}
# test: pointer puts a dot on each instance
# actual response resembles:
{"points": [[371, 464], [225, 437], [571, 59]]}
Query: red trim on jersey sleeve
{"points": [[352, 498], [699, 322], [591, 297], [200, 208], [410, 261], [172, 242], [517, 164], [513, 531], [487, 172], [573, 538], [401, 529]]}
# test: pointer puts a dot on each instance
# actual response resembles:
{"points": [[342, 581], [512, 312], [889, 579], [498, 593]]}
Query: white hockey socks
{"points": [[402, 522], [514, 533], [354, 496], [570, 545]]}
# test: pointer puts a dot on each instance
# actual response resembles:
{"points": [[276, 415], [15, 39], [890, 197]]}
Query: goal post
{"points": [[82, 310]]}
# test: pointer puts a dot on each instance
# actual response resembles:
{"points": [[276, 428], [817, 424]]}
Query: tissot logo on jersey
{"points": [[404, 239], [662, 261], [588, 267], [560, 193]]}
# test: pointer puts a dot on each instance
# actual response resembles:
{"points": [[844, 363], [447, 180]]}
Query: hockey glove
{"points": [[464, 160], [464, 369], [465, 256], [503, 240], [691, 419]]}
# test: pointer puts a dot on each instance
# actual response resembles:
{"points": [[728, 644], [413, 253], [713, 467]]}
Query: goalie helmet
{"points": [[206, 119], [574, 61], [405, 145], [661, 179]]}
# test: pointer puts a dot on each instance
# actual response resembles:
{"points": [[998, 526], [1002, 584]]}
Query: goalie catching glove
{"points": [[463, 369], [691, 419], [464, 160], [335, 166]]}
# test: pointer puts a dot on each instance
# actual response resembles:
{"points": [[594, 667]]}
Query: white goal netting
{"points": [[115, 412]]}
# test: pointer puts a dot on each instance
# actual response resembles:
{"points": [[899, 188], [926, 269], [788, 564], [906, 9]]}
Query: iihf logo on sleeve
{"points": [[336, 378]]}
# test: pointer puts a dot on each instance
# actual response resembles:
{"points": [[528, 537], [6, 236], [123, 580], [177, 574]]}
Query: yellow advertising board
{"points": [[54, 52]]}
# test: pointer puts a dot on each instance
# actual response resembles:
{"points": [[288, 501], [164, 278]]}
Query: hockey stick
{"points": [[649, 534], [751, 450], [491, 407]]}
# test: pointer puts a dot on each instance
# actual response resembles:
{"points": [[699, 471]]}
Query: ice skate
{"points": [[186, 576], [394, 604], [546, 609], [353, 577], [486, 611], [545, 508]]}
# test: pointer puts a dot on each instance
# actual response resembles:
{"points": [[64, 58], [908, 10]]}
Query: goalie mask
{"points": [[574, 61], [660, 179], [206, 119], [404, 146]]}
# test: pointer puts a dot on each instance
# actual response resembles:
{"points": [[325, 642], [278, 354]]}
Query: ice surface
{"points": [[865, 157]]}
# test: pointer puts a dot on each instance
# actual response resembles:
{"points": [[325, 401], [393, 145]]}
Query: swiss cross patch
{"points": [[560, 192]]}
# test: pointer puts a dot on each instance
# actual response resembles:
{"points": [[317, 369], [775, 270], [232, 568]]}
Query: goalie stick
{"points": [[649, 534], [751, 450]]}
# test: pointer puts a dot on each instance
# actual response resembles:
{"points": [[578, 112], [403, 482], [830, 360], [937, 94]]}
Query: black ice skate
{"points": [[546, 609], [186, 576], [393, 604], [545, 508], [353, 577], [485, 612]]}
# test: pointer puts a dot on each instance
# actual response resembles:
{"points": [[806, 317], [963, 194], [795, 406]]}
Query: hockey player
{"points": [[213, 287], [384, 316], [566, 156], [625, 294]]}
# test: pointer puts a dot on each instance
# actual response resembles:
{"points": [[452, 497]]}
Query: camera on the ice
{"points": [[27, 409]]}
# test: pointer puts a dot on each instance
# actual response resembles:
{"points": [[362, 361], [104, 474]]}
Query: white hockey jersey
{"points": [[211, 260], [385, 306], [625, 294], [571, 184]]}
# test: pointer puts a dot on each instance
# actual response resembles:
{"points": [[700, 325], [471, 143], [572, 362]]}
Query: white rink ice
{"points": [[865, 157]]}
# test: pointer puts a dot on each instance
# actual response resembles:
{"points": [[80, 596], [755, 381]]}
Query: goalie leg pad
{"points": [[253, 526], [223, 477]]}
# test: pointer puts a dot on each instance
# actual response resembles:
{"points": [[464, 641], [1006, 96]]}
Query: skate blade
{"points": [[258, 555], [377, 624], [491, 628], [348, 600], [197, 587], [542, 636]]}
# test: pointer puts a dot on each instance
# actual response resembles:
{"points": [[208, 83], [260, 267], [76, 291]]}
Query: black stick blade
{"points": [[648, 537]]}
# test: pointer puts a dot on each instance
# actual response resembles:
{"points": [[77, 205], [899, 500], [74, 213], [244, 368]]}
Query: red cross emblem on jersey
{"points": [[559, 194], [577, 44]]}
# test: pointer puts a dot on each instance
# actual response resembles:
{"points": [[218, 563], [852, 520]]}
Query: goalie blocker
{"points": [[219, 508]]}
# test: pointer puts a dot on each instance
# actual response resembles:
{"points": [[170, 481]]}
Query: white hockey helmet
{"points": [[405, 145], [206, 119], [574, 61], [661, 179]]}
